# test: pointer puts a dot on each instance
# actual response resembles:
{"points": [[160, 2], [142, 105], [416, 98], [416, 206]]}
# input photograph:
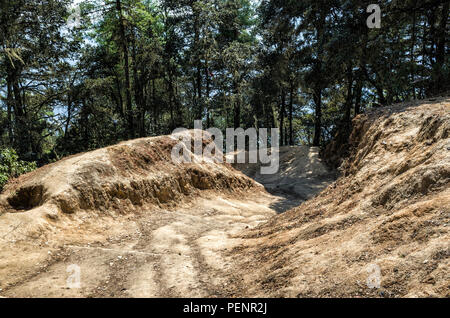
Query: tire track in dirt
{"points": [[171, 254]]}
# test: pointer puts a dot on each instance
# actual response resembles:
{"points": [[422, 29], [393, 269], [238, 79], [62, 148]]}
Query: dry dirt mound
{"points": [[123, 176], [385, 220]]}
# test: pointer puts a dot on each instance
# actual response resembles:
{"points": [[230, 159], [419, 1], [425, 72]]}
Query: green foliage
{"points": [[136, 68], [11, 166]]}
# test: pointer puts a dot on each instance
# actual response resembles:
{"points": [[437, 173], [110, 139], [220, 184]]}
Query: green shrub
{"points": [[11, 166]]}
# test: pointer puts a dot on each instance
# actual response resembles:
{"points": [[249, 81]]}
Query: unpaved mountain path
{"points": [[189, 251], [179, 253]]}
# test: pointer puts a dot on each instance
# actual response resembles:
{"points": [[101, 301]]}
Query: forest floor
{"points": [[137, 225]]}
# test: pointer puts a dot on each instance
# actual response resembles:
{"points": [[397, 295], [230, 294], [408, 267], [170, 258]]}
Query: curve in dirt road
{"points": [[125, 221]]}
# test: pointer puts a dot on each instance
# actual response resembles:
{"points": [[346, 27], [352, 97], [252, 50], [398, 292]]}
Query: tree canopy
{"points": [[135, 68]]}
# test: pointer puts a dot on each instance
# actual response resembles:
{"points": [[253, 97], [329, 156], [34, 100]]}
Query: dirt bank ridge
{"points": [[386, 218]]}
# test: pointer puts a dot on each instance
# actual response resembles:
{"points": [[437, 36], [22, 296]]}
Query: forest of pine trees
{"points": [[135, 68]]}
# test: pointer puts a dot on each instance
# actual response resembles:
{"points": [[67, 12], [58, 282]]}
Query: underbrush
{"points": [[11, 166]]}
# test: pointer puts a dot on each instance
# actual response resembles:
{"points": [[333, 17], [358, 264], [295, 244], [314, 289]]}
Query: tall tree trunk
{"points": [[413, 43], [349, 99], [199, 93], [154, 107], [431, 17], [318, 86], [23, 136], [361, 72], [286, 136], [358, 93], [198, 66], [138, 90], [69, 113], [85, 124], [441, 48], [208, 92], [10, 101], [282, 111], [129, 106], [237, 106], [171, 101], [119, 99], [424, 54], [318, 116], [291, 115]]}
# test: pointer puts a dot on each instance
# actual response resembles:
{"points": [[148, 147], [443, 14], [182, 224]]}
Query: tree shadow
{"points": [[287, 201], [293, 194]]}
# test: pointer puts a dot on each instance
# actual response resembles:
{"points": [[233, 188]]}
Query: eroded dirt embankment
{"points": [[390, 211], [118, 178]]}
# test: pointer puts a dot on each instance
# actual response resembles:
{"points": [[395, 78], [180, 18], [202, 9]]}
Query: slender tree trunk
{"points": [[154, 107], [282, 111], [424, 54], [199, 92], [291, 115], [318, 117], [138, 90], [171, 101], [119, 97], [23, 137], [237, 106], [441, 48], [208, 89], [348, 102], [198, 66], [434, 87], [272, 115], [318, 86], [10, 101], [129, 106], [413, 43], [361, 72], [286, 136], [85, 124], [69, 114], [358, 94]]}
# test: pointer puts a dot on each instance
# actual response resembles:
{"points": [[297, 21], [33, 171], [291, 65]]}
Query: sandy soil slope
{"points": [[134, 223], [380, 230]]}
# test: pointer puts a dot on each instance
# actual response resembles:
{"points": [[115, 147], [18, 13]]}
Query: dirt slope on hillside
{"points": [[390, 211]]}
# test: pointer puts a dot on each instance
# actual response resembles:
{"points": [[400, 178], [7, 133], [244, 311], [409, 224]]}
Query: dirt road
{"points": [[162, 254], [189, 251]]}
